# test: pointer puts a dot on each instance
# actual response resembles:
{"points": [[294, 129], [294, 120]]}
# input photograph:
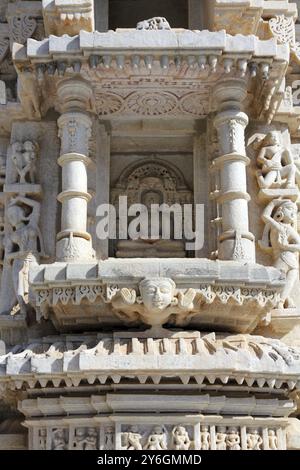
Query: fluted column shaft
{"points": [[235, 241]]}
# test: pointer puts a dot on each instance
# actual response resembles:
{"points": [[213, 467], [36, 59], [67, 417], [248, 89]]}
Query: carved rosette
{"points": [[151, 103]]}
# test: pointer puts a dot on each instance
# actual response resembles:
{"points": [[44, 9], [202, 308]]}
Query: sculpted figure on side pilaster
{"points": [[23, 243], [24, 158], [158, 439], [277, 167], [180, 438], [131, 440], [233, 439], [109, 438], [221, 438], [254, 440], [281, 238], [205, 438], [156, 304], [42, 439]]}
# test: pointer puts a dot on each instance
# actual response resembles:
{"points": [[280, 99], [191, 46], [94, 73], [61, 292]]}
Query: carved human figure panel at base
{"points": [[205, 438], [283, 239], [157, 440], [254, 440], [155, 23], [58, 439], [221, 438], [79, 439], [272, 440], [131, 440], [157, 303], [278, 169], [180, 438], [23, 243], [91, 439], [233, 439], [42, 445]]}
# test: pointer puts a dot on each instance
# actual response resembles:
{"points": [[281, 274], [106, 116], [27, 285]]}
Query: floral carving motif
{"points": [[194, 103], [108, 103], [151, 103], [22, 27], [283, 29]]}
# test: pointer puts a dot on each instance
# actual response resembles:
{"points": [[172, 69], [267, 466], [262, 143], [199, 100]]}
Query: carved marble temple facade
{"points": [[144, 344]]}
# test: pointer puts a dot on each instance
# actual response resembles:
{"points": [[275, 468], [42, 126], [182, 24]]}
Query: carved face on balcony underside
{"points": [[157, 293], [286, 212]]}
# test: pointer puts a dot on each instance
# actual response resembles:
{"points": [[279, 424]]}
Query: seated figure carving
{"points": [[157, 304]]}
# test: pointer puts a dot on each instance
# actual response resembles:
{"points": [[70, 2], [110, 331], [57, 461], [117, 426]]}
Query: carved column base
{"points": [[73, 248]]}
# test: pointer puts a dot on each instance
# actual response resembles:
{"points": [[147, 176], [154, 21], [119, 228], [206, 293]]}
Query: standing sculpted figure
{"points": [[24, 158], [273, 440], [281, 236], [205, 438], [42, 439], [254, 440], [79, 439], [233, 439], [132, 439], [23, 244], [278, 169], [181, 440], [221, 438], [158, 439]]}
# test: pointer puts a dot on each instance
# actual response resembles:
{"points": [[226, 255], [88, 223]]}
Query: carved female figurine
{"points": [[181, 440], [23, 244], [233, 439], [221, 438], [205, 438], [158, 439], [277, 164], [254, 440], [273, 440], [280, 234]]}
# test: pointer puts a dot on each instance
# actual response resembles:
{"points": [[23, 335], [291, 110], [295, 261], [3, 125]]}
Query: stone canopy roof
{"points": [[242, 359]]}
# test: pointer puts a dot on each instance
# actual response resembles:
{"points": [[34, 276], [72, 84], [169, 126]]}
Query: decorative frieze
{"points": [[224, 434]]}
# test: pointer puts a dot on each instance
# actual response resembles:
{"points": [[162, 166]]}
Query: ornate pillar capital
{"points": [[229, 93], [74, 94]]}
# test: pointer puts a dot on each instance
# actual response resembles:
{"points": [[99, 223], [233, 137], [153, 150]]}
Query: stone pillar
{"points": [[74, 242], [235, 242]]}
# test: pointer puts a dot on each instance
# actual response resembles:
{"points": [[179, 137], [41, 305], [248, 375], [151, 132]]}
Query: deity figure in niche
{"points": [[158, 439], [23, 243], [131, 439], [278, 169], [283, 241], [181, 440], [156, 304]]}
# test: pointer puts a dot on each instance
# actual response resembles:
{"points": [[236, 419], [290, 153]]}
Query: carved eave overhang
{"points": [[242, 361], [245, 15], [231, 296], [179, 69]]}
